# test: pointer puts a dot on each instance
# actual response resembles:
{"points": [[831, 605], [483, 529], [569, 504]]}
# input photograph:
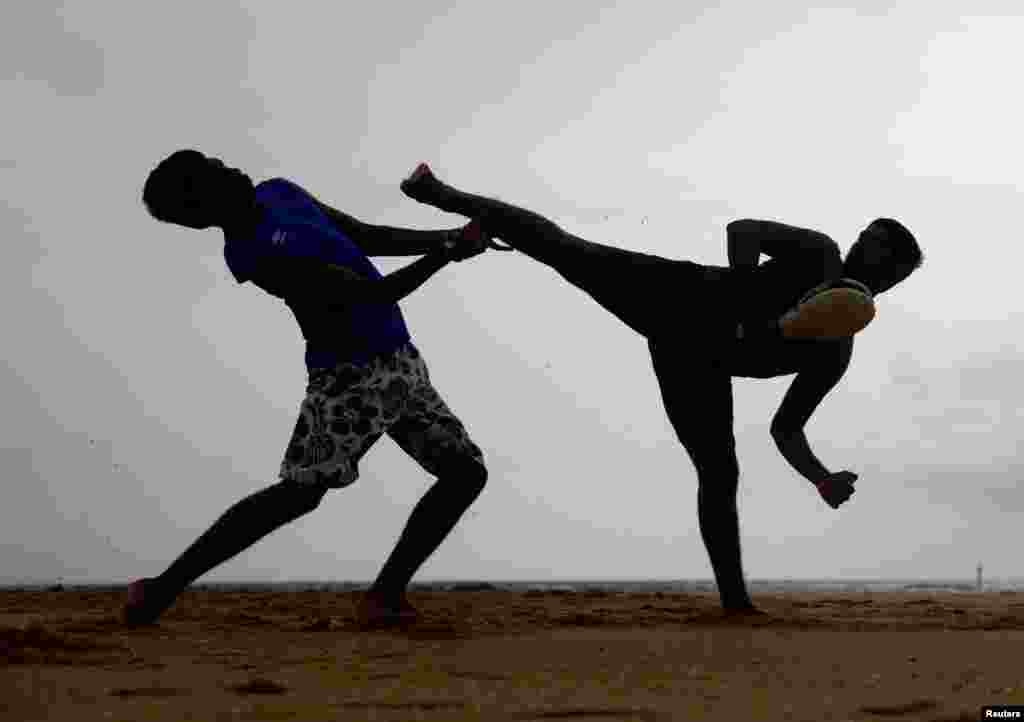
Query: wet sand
{"points": [[512, 656]]}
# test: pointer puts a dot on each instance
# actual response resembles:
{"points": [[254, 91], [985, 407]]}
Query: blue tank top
{"points": [[293, 225]]}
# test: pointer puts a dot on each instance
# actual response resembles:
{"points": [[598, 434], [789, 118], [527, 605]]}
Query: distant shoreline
{"points": [[571, 585]]}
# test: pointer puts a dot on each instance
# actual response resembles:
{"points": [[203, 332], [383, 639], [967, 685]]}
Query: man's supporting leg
{"points": [[238, 528], [698, 400], [720, 529], [459, 484], [630, 285]]}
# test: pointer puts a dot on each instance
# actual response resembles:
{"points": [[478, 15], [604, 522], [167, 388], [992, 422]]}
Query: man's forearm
{"points": [[384, 240], [796, 450], [389, 241], [399, 284]]}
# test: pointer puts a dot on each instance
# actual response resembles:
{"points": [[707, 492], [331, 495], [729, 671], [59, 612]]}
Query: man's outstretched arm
{"points": [[306, 281], [385, 240], [796, 450]]}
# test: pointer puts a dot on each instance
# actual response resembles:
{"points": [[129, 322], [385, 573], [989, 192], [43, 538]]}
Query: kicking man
{"points": [[365, 376], [706, 324]]}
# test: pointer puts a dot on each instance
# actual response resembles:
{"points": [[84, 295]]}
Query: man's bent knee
{"points": [[473, 473], [466, 471]]}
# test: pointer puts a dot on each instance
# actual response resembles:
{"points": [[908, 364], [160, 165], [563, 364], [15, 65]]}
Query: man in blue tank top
{"points": [[366, 378]]}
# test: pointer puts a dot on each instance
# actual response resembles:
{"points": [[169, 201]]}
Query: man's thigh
{"points": [[696, 390], [431, 433], [640, 289], [340, 419]]}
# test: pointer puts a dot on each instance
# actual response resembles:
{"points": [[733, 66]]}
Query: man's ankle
{"points": [[386, 591], [736, 600], [162, 591]]}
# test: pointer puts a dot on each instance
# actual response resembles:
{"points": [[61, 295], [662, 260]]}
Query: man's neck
{"points": [[242, 224]]}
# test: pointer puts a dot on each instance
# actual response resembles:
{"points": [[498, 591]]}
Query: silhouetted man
{"points": [[366, 377], [691, 316]]}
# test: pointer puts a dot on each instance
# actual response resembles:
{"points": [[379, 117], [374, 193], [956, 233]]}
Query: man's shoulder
{"points": [[277, 191]]}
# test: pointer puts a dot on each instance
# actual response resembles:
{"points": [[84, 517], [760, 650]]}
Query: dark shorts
{"points": [[348, 407]]}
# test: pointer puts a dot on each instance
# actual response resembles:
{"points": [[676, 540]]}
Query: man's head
{"points": [[190, 189], [884, 254]]}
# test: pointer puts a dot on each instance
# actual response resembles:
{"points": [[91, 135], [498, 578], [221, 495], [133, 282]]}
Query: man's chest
{"points": [[777, 287]]}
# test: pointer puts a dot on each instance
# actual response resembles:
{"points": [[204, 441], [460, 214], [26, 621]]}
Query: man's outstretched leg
{"points": [[632, 286], [523, 229], [237, 529], [698, 399]]}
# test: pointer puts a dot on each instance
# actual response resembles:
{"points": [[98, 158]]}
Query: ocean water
{"points": [[756, 586]]}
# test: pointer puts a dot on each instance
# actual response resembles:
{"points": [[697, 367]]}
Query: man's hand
{"points": [[466, 242], [837, 487], [470, 240]]}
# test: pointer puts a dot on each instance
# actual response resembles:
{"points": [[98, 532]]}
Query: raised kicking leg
{"points": [[633, 286]]}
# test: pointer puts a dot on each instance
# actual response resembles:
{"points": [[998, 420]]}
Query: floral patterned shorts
{"points": [[348, 407]]}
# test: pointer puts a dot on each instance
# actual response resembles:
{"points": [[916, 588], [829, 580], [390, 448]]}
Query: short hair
{"points": [[165, 182], [904, 246]]}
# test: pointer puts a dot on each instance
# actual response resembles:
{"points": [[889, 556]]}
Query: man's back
{"points": [[294, 233]]}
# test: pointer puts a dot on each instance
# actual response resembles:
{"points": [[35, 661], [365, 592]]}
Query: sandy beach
{"points": [[512, 656]]}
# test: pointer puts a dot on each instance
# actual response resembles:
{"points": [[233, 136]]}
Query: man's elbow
{"points": [[373, 293], [781, 433], [739, 225], [382, 290], [833, 259]]}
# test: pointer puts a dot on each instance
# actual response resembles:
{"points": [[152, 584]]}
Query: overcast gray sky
{"points": [[144, 391]]}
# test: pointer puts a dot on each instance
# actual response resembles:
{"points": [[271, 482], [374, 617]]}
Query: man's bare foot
{"points": [[743, 611], [144, 605], [422, 186], [378, 610], [837, 488], [745, 615]]}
